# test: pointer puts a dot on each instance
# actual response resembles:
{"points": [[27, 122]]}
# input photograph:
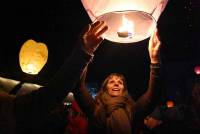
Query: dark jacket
{"points": [[180, 119], [24, 114], [146, 101]]}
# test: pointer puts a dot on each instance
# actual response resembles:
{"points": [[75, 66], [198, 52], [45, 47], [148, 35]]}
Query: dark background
{"points": [[58, 24]]}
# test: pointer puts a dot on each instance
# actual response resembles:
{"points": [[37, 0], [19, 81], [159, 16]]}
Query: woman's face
{"points": [[115, 86]]}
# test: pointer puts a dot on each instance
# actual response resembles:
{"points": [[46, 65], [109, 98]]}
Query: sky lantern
{"points": [[197, 70], [33, 56], [170, 103], [128, 20]]}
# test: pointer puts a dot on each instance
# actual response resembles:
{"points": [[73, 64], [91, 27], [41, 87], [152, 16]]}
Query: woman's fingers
{"points": [[95, 23], [99, 28], [102, 30], [92, 37]]}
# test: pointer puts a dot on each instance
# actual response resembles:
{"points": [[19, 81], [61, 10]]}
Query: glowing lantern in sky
{"points": [[138, 18], [170, 103], [197, 70], [33, 56]]}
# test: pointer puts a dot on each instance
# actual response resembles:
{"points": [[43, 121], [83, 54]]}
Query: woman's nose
{"points": [[116, 84]]}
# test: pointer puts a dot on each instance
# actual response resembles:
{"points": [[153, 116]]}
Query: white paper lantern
{"points": [[128, 20], [33, 56]]}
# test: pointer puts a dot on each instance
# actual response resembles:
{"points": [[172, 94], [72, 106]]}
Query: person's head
{"points": [[112, 87], [115, 85]]}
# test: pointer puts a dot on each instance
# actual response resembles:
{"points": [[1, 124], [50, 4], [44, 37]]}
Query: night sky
{"points": [[58, 24]]}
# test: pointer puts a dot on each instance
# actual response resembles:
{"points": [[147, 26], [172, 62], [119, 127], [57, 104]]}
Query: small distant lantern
{"points": [[33, 56], [128, 20], [197, 70], [170, 103]]}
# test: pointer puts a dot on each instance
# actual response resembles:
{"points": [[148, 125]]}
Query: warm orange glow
{"points": [[126, 30], [33, 56], [170, 103]]}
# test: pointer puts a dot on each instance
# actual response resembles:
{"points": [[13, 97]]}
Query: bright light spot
{"points": [[126, 30], [30, 69], [197, 70], [170, 103]]}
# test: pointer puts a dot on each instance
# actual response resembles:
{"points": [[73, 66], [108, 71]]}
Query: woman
{"points": [[113, 111]]}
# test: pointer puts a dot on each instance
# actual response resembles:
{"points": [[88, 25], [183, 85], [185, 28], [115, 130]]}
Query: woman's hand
{"points": [[92, 36], [154, 47]]}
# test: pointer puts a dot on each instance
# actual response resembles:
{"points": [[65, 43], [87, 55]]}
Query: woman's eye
{"points": [[120, 82], [111, 81]]}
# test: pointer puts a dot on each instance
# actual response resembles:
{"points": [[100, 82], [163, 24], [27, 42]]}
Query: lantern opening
{"points": [[30, 69], [128, 26]]}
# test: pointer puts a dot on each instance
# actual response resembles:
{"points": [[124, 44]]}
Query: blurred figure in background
{"points": [[77, 122], [180, 118]]}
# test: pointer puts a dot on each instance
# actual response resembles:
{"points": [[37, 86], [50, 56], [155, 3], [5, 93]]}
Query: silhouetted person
{"points": [[25, 114], [179, 119]]}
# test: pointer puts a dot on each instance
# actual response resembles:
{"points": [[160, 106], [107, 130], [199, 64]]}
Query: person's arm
{"points": [[84, 98], [152, 93]]}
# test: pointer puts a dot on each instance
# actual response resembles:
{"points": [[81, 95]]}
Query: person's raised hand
{"points": [[92, 36], [154, 47]]}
